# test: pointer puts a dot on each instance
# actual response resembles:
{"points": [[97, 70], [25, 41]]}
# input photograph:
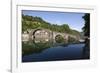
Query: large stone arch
{"points": [[33, 31]]}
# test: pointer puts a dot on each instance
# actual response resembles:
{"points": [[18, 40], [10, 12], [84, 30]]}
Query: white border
{"points": [[18, 66]]}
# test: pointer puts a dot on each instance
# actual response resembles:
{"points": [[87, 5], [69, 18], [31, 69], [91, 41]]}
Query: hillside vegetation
{"points": [[30, 22]]}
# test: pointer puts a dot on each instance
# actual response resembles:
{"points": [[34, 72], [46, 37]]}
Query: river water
{"points": [[57, 53]]}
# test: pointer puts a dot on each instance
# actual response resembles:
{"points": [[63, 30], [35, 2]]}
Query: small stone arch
{"points": [[64, 35], [59, 38]]}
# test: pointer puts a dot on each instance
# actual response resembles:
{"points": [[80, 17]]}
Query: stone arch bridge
{"points": [[43, 34]]}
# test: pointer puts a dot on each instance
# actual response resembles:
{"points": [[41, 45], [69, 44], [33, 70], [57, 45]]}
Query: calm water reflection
{"points": [[48, 51]]}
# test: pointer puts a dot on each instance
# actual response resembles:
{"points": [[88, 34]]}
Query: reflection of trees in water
{"points": [[30, 47], [33, 46], [86, 49]]}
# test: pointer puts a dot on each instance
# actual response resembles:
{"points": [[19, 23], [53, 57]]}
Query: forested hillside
{"points": [[30, 22]]}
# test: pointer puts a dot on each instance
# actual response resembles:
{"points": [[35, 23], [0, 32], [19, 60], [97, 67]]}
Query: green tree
{"points": [[86, 28]]}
